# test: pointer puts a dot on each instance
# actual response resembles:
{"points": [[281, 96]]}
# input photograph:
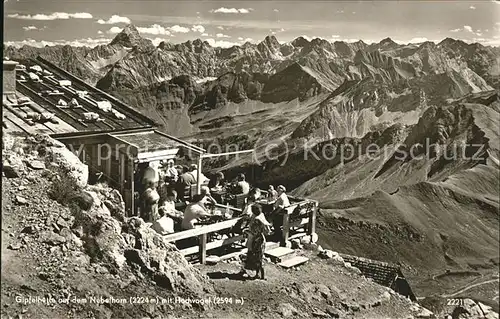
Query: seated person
{"points": [[171, 174], [207, 197], [74, 103], [272, 194], [242, 184], [217, 182], [167, 207], [194, 211], [194, 171], [253, 196]]}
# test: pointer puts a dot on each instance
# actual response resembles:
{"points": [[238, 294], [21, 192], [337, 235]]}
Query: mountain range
{"points": [[193, 89], [434, 212]]}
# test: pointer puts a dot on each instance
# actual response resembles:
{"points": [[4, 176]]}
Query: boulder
{"points": [[71, 238], [328, 254], [28, 230], [162, 261], [425, 313], [62, 223], [324, 291], [385, 297], [21, 200], [287, 310], [351, 305], [15, 246], [320, 314], [334, 312], [337, 259], [13, 167], [310, 246], [11, 171], [70, 164], [36, 165], [114, 202], [100, 232], [83, 199], [355, 270], [51, 238]]}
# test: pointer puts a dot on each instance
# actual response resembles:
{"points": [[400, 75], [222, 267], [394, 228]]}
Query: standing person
{"points": [[151, 174], [163, 189], [279, 210], [282, 201], [139, 188], [246, 213], [150, 200], [185, 180], [256, 233]]}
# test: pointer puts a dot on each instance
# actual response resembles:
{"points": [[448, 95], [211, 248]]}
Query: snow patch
{"points": [[206, 79]]}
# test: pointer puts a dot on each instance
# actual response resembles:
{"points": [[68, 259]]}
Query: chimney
{"points": [[9, 77]]}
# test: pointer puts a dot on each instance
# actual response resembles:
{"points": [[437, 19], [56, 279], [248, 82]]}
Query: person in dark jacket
{"points": [[185, 180]]}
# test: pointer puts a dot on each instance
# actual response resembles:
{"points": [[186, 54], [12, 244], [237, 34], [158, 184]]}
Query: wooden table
{"points": [[216, 217], [219, 195]]}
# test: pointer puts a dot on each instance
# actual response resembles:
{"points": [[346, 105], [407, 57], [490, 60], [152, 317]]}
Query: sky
{"points": [[226, 23]]}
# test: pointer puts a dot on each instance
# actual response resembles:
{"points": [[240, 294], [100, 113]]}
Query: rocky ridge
{"points": [[269, 72]]}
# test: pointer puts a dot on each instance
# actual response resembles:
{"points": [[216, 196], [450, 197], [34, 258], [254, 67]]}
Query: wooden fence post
{"points": [[286, 229], [122, 173], [203, 248], [132, 187], [312, 219], [108, 165]]}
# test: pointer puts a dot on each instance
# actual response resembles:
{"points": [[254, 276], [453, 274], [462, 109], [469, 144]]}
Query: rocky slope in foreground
{"points": [[62, 238]]}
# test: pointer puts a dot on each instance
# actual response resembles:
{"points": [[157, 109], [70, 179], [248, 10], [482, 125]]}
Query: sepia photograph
{"points": [[250, 159]]}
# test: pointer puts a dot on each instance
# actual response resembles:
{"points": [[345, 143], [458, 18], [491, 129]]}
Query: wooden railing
{"points": [[202, 234], [289, 222]]}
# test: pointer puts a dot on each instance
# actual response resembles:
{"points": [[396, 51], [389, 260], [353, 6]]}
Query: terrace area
{"points": [[115, 142]]}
